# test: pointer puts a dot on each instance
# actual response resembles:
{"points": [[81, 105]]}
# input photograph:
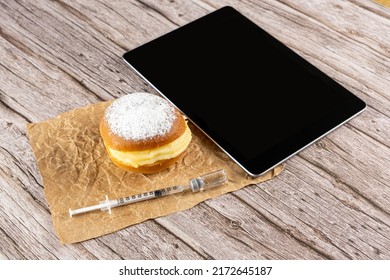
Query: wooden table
{"points": [[332, 200]]}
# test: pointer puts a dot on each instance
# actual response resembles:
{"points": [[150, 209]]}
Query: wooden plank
{"points": [[56, 58], [149, 241], [331, 202], [225, 228], [320, 210], [359, 162]]}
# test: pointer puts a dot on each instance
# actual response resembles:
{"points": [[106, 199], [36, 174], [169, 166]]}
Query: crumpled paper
{"points": [[77, 172]]}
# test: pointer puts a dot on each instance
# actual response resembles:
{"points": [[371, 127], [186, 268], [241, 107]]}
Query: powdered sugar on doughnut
{"points": [[139, 116]]}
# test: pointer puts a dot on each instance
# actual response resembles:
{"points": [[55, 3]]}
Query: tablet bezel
{"points": [[348, 107]]}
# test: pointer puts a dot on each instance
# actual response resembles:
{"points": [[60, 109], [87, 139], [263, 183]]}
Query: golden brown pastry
{"points": [[144, 133]]}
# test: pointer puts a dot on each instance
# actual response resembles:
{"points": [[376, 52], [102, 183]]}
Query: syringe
{"points": [[201, 183]]}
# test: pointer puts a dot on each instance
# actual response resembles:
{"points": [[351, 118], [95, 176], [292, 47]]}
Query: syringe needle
{"points": [[201, 183]]}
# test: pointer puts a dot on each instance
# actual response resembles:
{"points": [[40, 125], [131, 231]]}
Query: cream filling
{"points": [[138, 158]]}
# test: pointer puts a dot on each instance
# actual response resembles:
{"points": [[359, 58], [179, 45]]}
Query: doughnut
{"points": [[144, 133]]}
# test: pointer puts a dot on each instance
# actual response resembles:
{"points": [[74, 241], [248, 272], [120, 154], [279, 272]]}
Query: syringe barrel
{"points": [[208, 181]]}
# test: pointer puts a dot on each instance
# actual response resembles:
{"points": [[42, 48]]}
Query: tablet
{"points": [[253, 96]]}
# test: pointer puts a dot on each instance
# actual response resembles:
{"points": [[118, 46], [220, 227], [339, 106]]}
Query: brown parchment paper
{"points": [[76, 172]]}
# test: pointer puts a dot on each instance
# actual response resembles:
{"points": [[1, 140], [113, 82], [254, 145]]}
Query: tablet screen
{"points": [[258, 100]]}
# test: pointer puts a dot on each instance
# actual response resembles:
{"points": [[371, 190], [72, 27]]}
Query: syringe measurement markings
{"points": [[149, 195]]}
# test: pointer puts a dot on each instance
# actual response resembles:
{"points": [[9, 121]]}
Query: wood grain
{"points": [[383, 2], [330, 202]]}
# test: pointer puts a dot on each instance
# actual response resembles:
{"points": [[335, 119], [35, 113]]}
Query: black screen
{"points": [[256, 98]]}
